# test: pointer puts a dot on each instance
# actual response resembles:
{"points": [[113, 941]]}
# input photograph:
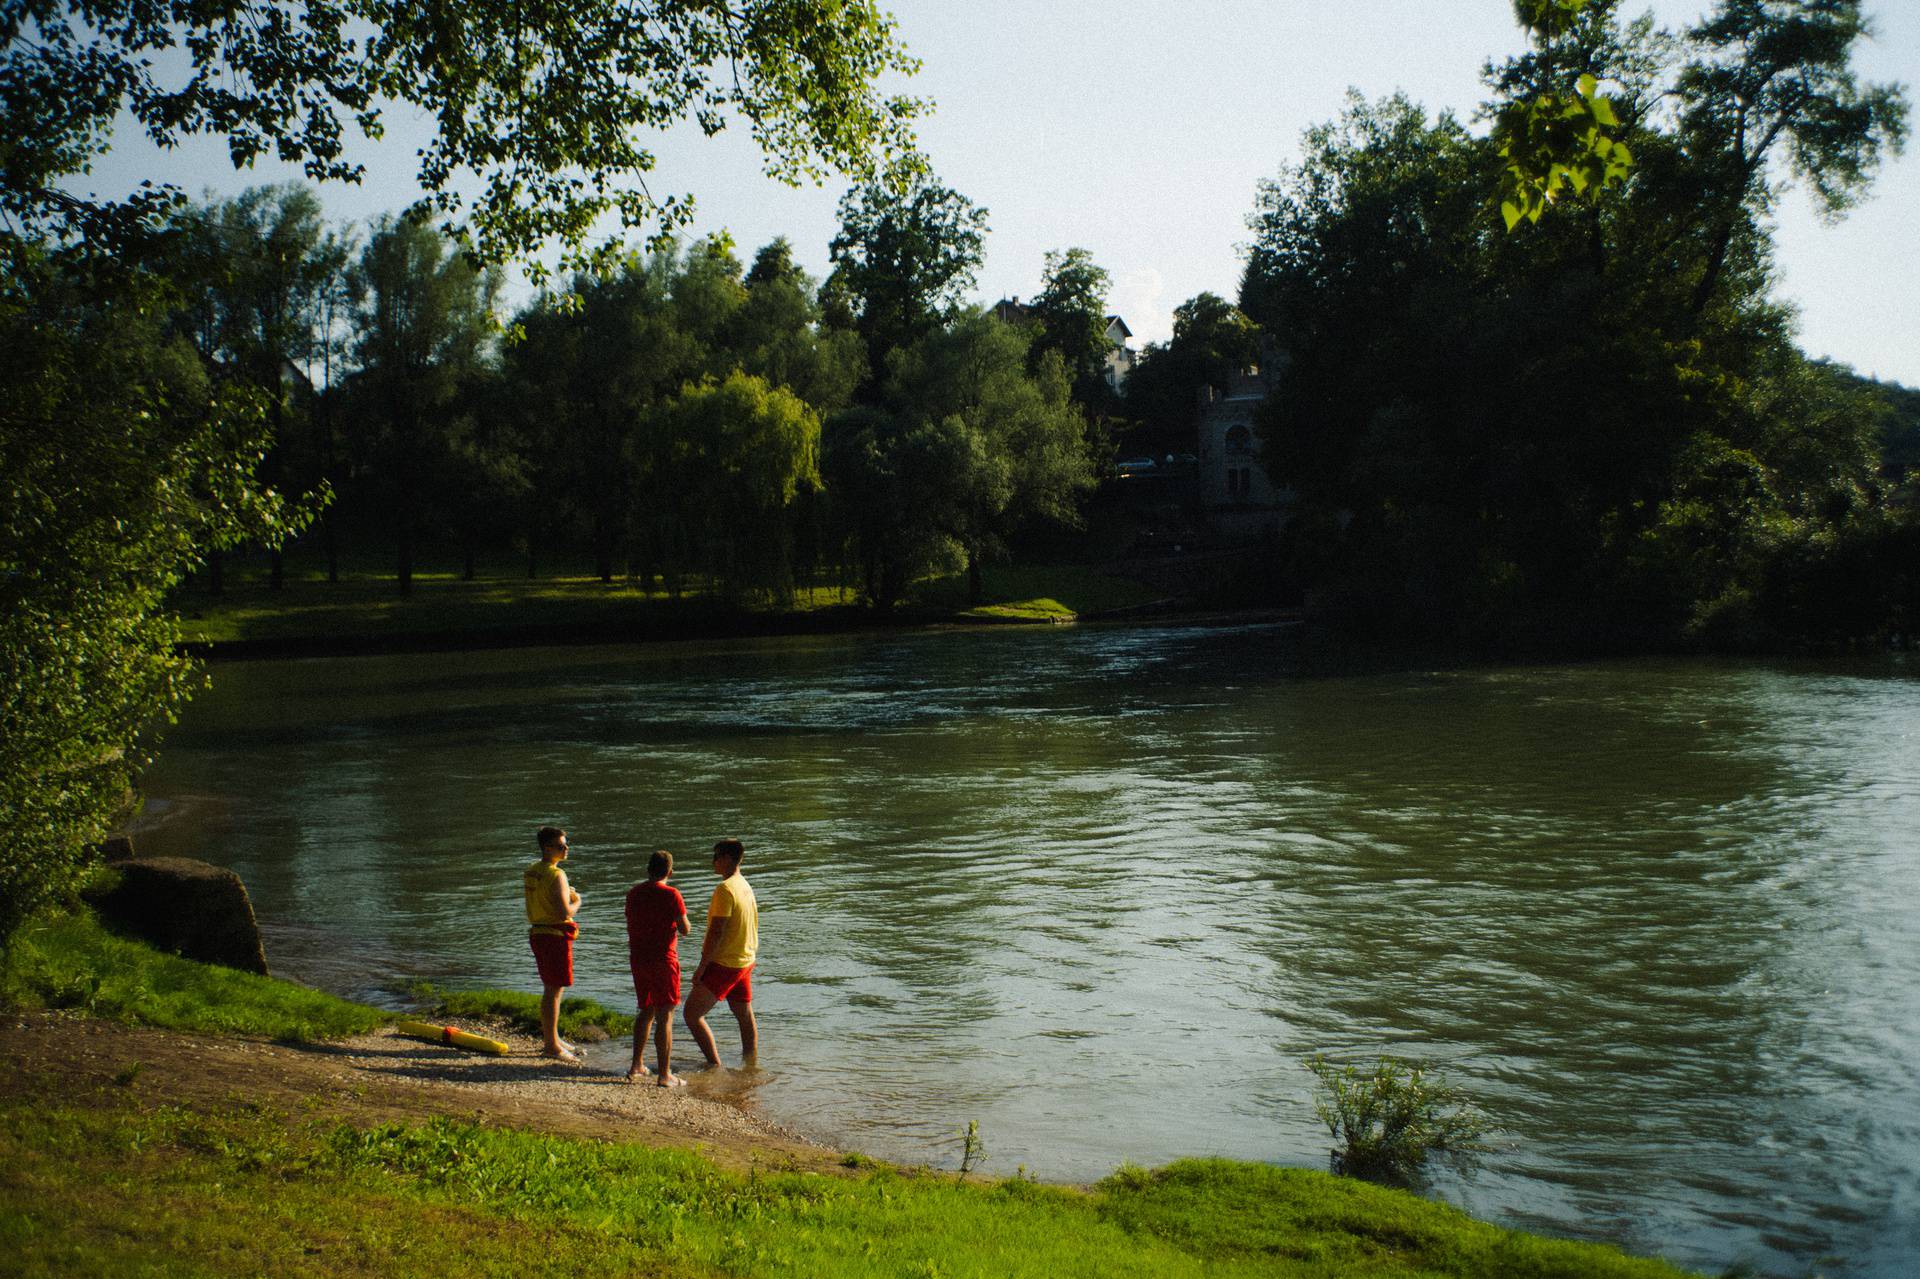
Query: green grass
{"points": [[1039, 593], [102, 1188], [366, 606], [369, 607], [580, 1017], [71, 961]]}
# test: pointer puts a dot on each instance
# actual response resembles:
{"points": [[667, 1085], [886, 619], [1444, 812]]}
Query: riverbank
{"points": [[127, 1149], [311, 617]]}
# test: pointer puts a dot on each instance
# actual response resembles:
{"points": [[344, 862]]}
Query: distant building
{"points": [[1237, 498], [1119, 353]]}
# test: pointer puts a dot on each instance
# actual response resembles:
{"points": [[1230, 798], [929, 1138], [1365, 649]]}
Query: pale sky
{"points": [[1139, 130]]}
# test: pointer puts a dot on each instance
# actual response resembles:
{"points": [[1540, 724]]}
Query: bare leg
{"points": [[749, 1029], [699, 1003], [637, 1069], [550, 1023], [663, 1045]]}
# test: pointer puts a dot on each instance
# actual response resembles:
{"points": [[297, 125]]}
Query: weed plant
{"points": [[1390, 1118]]}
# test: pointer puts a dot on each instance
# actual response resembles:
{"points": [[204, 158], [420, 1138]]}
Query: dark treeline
{"points": [[1596, 430], [685, 420]]}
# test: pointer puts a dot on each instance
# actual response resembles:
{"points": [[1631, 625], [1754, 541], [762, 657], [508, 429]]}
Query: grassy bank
{"points": [[111, 1188], [112, 1183], [71, 962], [366, 609]]}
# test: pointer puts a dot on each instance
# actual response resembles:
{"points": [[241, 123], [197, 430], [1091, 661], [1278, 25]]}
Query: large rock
{"points": [[194, 909]]}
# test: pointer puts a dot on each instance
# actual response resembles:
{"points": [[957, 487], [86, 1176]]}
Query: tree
{"points": [[262, 262], [739, 455], [424, 316], [124, 463], [1212, 340], [1772, 78], [778, 334], [1543, 437], [1016, 440], [1072, 311], [904, 261], [592, 368], [902, 492], [538, 106]]}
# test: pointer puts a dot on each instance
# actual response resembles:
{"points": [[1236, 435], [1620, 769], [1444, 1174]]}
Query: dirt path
{"points": [[385, 1077]]}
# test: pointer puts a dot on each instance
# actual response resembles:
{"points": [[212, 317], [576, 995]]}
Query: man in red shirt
{"points": [[656, 921]]}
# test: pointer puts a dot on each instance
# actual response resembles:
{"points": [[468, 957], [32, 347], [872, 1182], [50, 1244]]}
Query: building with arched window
{"points": [[1237, 497]]}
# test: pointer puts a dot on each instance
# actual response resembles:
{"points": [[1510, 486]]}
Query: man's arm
{"points": [[563, 895], [716, 929], [686, 929]]}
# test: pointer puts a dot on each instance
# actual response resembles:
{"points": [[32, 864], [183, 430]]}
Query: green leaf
{"points": [[1587, 84]]}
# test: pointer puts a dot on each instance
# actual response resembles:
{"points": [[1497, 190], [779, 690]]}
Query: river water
{"points": [[1102, 890]]}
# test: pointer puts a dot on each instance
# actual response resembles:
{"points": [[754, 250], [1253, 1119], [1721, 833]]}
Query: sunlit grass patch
{"points": [[1309, 1222], [1036, 610], [579, 1016], [1035, 593], [71, 961]]}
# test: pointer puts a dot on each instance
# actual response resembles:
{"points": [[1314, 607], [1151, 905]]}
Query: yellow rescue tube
{"points": [[452, 1035]]}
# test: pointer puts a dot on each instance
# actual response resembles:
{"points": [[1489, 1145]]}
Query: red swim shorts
{"points": [[554, 955], [729, 983], [656, 983]]}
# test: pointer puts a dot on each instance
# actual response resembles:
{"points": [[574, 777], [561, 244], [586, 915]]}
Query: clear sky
{"points": [[1138, 130]]}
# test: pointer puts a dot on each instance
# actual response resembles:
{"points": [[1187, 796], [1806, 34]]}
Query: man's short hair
{"points": [[732, 849], [660, 865], [548, 837]]}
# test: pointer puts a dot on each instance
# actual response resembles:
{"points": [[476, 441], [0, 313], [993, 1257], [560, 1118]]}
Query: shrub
{"points": [[1390, 1118]]}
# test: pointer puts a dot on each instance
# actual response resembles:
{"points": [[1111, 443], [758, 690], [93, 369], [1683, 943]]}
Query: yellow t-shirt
{"points": [[543, 915], [740, 940]]}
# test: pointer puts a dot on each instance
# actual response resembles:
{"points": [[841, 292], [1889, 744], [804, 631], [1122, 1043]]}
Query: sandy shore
{"points": [[386, 1076]]}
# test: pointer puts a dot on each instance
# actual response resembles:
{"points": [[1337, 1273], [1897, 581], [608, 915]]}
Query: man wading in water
{"points": [[726, 956], [551, 906]]}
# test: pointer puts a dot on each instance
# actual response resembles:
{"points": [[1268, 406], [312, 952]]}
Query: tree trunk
{"points": [[405, 566], [276, 569], [332, 542], [976, 590], [216, 574]]}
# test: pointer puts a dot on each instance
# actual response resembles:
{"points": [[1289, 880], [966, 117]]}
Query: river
{"points": [[1102, 890]]}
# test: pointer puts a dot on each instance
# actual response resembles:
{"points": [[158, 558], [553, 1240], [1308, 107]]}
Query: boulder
{"points": [[116, 848], [196, 910]]}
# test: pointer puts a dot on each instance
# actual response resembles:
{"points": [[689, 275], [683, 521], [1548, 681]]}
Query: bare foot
{"points": [[671, 1080], [562, 1054]]}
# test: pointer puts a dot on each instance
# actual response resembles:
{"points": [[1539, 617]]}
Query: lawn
{"points": [[367, 607], [104, 1186]]}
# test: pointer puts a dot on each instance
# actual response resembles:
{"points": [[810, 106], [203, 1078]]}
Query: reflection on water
{"points": [[1103, 890]]}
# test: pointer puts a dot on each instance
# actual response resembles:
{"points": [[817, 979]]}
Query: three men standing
{"points": [[656, 920]]}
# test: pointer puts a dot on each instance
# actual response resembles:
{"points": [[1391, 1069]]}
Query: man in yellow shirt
{"points": [[551, 907], [726, 956]]}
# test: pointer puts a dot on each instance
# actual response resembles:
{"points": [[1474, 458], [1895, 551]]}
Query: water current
{"points": [[1102, 890]]}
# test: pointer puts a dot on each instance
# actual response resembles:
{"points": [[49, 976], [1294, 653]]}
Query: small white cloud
{"points": [[1134, 296]]}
